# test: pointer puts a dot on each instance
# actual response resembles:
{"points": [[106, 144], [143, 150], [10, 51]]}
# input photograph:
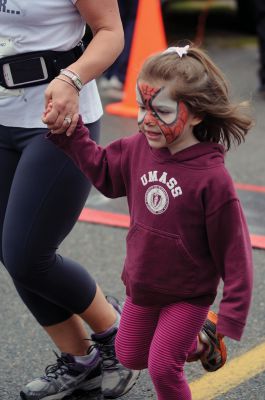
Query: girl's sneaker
{"points": [[214, 357]]}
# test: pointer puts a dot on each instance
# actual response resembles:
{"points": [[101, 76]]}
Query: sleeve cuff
{"points": [[60, 139], [229, 327]]}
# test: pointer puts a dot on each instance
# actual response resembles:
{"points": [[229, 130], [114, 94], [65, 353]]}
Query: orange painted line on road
{"points": [[257, 241], [104, 218], [123, 221], [250, 188]]}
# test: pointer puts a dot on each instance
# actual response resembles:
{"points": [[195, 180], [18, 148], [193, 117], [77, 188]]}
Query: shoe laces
{"points": [[107, 354], [61, 367]]}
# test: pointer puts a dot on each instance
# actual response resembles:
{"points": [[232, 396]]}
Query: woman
{"points": [[42, 192]]}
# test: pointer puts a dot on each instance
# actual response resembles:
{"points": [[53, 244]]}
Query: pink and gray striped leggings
{"points": [[160, 339]]}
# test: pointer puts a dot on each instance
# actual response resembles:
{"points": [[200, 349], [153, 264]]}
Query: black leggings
{"points": [[41, 196]]}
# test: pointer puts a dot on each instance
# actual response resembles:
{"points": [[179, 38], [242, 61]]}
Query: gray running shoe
{"points": [[116, 379], [82, 395], [63, 378]]}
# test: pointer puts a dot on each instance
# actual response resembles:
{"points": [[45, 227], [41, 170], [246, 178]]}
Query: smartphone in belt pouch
{"points": [[17, 73]]}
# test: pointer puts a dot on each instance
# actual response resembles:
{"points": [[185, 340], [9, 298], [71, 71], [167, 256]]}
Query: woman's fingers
{"points": [[72, 126], [68, 126], [50, 116], [60, 122], [62, 105]]}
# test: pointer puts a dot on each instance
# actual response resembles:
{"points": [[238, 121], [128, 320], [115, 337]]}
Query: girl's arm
{"points": [[230, 246], [102, 166]]}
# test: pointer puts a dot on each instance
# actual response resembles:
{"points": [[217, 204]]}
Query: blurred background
{"points": [[221, 23]]}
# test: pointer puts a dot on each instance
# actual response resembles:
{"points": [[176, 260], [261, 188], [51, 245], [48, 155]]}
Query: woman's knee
{"points": [[18, 268], [23, 264], [1, 256]]}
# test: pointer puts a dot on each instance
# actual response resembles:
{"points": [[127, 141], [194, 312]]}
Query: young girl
{"points": [[187, 228]]}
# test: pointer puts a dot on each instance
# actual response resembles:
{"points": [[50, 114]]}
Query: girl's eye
{"points": [[163, 112]]}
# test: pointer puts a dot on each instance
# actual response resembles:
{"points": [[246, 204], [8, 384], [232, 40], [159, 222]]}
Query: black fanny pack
{"points": [[35, 68]]}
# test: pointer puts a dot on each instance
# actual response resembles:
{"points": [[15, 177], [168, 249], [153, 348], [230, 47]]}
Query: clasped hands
{"points": [[61, 111]]}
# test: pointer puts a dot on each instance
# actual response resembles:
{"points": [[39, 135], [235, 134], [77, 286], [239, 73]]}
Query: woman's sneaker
{"points": [[214, 357], [82, 395], [116, 379], [63, 378]]}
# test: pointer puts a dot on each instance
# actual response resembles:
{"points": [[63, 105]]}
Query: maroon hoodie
{"points": [[187, 228]]}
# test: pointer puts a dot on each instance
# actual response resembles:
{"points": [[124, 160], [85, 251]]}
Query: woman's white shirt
{"points": [[33, 25]]}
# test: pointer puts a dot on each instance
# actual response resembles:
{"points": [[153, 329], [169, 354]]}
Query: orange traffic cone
{"points": [[148, 38], [200, 34]]}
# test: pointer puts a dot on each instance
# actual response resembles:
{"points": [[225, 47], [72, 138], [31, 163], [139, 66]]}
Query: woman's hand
{"points": [[104, 20], [61, 106]]}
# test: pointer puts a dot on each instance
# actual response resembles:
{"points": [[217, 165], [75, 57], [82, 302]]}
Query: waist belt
{"points": [[36, 68]]}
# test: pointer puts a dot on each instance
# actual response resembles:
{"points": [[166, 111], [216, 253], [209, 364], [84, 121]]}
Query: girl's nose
{"points": [[149, 118]]}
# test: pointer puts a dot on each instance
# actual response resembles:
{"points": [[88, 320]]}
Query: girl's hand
{"points": [[61, 106], [47, 110]]}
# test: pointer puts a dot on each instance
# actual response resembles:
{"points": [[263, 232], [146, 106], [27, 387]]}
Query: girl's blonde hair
{"points": [[200, 84]]}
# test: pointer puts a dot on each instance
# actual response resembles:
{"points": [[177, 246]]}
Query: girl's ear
{"points": [[195, 120]]}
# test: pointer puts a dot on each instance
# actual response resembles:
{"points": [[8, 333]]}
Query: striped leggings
{"points": [[160, 339]]}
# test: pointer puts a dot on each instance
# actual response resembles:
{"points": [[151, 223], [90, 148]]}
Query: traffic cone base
{"points": [[122, 109]]}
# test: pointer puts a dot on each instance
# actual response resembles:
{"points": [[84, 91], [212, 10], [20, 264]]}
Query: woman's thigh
{"points": [[8, 164], [46, 197], [42, 198]]}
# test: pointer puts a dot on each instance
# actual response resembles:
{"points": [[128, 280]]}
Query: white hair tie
{"points": [[181, 51]]}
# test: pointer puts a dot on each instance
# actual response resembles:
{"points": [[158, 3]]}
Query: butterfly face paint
{"points": [[157, 108]]}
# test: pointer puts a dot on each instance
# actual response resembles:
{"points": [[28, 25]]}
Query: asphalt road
{"points": [[24, 348]]}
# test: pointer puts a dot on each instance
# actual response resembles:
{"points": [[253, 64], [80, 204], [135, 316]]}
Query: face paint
{"points": [[157, 108]]}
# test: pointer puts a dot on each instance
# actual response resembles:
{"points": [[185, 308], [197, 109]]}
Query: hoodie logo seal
{"points": [[156, 199]]}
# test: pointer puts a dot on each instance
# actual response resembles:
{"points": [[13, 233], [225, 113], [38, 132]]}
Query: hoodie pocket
{"points": [[159, 260]]}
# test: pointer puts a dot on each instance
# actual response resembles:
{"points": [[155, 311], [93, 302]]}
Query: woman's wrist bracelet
{"points": [[75, 78], [69, 83]]}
